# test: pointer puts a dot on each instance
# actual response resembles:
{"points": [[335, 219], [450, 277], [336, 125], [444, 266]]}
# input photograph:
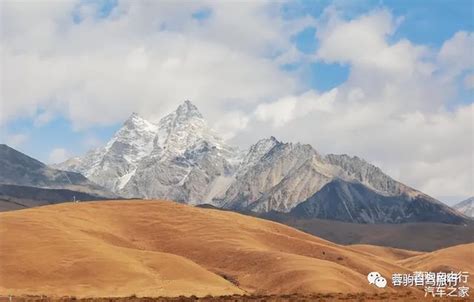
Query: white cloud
{"points": [[391, 111], [16, 140], [289, 108], [147, 56], [456, 55], [58, 155], [230, 123], [364, 37]]}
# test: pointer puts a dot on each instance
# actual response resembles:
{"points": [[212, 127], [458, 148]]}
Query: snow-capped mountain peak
{"points": [[185, 129], [188, 110], [172, 152], [256, 152], [136, 132], [183, 159]]}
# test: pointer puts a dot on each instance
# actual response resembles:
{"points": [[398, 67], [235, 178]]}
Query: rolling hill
{"points": [[161, 248]]}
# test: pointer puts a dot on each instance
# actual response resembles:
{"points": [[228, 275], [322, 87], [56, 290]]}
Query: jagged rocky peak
{"points": [[266, 143], [134, 116], [368, 174], [137, 121], [188, 109], [186, 113], [181, 158], [185, 129], [258, 150]]}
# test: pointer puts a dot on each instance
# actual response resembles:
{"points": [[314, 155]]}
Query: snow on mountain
{"points": [[255, 153], [112, 166], [465, 207], [276, 179], [278, 176], [184, 130], [181, 158]]}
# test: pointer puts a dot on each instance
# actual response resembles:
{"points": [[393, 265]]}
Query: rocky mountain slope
{"points": [[26, 182], [183, 159], [180, 158], [112, 165], [465, 207], [20, 169], [355, 202]]}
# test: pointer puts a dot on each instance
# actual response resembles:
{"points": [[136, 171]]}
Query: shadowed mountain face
{"points": [[20, 169], [354, 202], [27, 182]]}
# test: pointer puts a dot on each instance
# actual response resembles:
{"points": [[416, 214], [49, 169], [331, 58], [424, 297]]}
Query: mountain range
{"points": [[27, 182], [181, 158]]}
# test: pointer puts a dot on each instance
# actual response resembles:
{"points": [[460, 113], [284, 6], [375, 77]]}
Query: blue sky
{"points": [[72, 92]]}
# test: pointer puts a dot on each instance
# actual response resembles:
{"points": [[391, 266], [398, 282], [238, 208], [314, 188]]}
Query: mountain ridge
{"points": [[27, 182], [354, 202], [21, 169], [181, 158]]}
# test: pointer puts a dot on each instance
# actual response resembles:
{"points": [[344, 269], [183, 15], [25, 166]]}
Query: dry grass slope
{"points": [[161, 248]]}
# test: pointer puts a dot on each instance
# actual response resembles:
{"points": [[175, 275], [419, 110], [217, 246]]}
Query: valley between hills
{"points": [[160, 248]]}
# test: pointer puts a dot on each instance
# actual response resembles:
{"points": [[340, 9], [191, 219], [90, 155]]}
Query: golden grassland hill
{"points": [[162, 248]]}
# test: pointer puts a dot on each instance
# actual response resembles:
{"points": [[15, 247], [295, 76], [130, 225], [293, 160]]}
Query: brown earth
{"points": [[161, 248], [457, 258]]}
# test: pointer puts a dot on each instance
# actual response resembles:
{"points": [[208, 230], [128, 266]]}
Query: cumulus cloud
{"points": [[288, 108], [456, 54], [231, 123], [393, 110], [144, 57], [397, 109]]}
